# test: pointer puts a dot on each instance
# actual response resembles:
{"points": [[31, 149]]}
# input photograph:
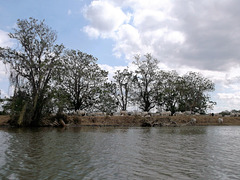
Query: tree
{"points": [[144, 80], [82, 79], [32, 67], [193, 92], [123, 81], [167, 90], [106, 101]]}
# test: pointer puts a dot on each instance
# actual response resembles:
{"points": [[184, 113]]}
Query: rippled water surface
{"points": [[120, 153]]}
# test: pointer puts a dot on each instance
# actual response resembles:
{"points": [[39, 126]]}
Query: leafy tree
{"points": [[106, 100], [167, 90], [33, 65], [123, 81], [82, 79], [144, 82], [225, 113], [193, 92]]}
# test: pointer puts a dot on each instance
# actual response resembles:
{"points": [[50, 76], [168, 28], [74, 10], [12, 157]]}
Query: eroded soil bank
{"points": [[74, 120]]}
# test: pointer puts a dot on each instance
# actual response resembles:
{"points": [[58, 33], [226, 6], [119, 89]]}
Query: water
{"points": [[120, 153]]}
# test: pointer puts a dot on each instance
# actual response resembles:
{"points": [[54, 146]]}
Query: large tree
{"points": [[167, 90], [194, 95], [123, 81], [106, 101], [82, 80], [144, 81], [32, 64]]}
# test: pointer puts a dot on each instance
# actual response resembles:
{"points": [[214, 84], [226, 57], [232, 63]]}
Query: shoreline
{"points": [[132, 121]]}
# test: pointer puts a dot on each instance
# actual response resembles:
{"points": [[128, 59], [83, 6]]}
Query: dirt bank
{"points": [[133, 121], [146, 121], [182, 120], [4, 120]]}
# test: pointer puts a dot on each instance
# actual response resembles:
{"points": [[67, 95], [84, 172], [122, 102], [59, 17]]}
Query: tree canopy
{"points": [[32, 66], [123, 81], [82, 79], [50, 79], [144, 81]]}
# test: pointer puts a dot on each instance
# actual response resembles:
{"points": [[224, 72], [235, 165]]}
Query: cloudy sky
{"points": [[185, 35]]}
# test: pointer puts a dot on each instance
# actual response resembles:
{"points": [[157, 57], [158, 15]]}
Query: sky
{"points": [[184, 35]]}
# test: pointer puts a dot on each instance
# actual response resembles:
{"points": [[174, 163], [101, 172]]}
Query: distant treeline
{"points": [[47, 78]]}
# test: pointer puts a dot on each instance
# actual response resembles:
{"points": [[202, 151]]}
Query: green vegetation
{"points": [[49, 79]]}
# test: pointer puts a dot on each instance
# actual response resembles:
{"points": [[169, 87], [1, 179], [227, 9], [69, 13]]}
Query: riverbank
{"points": [[4, 120], [74, 120]]}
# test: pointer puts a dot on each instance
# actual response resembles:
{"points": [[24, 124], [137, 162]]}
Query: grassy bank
{"points": [[133, 121]]}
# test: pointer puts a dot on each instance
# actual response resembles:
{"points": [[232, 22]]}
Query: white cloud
{"points": [[228, 101], [147, 19], [234, 97], [3, 71], [111, 70], [127, 40], [175, 37], [5, 41], [165, 5], [145, 27], [4, 84], [92, 32], [201, 36], [104, 18]]}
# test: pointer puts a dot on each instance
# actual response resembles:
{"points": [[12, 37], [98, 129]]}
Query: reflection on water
{"points": [[120, 153]]}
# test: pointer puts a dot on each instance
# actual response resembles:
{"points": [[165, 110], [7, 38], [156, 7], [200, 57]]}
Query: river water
{"points": [[120, 153]]}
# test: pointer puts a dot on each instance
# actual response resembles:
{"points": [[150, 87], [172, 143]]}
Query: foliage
{"points": [[167, 90], [32, 65], [143, 81], [225, 113], [194, 88], [123, 81], [183, 93], [49, 80], [106, 99], [82, 79]]}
